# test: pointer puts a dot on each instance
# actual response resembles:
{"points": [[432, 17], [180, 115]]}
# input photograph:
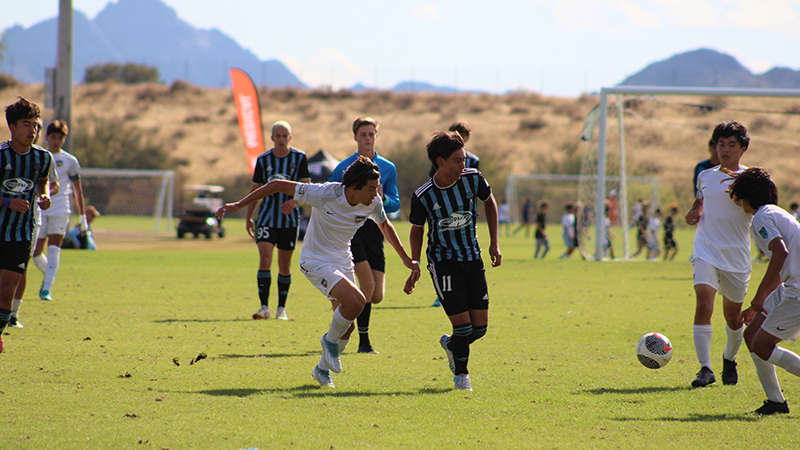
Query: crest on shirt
{"points": [[301, 189], [278, 176], [360, 219], [456, 220], [763, 233], [17, 186]]}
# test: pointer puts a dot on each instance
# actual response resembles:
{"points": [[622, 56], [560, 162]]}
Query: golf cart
{"points": [[200, 203]]}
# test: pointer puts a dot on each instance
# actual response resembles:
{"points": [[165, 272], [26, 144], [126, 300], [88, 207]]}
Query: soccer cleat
{"points": [[437, 303], [262, 313], [704, 378], [367, 349], [729, 375], [769, 408], [330, 353], [323, 377], [451, 360], [281, 313], [462, 382], [14, 322], [45, 295]]}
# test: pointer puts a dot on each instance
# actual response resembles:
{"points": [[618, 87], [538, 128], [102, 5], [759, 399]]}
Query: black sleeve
{"points": [[418, 214]]}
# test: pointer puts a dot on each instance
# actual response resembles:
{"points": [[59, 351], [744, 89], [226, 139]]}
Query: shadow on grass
{"points": [[694, 418], [313, 391], [201, 320], [664, 278], [270, 356], [377, 308], [641, 390]]}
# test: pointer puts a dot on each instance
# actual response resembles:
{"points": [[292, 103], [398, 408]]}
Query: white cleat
{"points": [[281, 313], [330, 353], [262, 313], [323, 377], [462, 382]]}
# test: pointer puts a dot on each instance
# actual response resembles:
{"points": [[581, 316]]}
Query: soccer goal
{"points": [[125, 192], [780, 151]]}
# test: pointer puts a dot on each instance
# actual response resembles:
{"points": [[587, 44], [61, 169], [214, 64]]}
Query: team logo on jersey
{"points": [[8, 167], [436, 206], [17, 186], [763, 233], [456, 220], [360, 219], [324, 283], [301, 190], [59, 163], [278, 176]]}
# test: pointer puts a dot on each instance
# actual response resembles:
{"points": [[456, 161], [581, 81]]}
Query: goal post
{"points": [[129, 192], [621, 92]]}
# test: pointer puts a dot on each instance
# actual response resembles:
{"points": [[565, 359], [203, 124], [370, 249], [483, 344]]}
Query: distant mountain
{"points": [[421, 86], [709, 68], [140, 31]]}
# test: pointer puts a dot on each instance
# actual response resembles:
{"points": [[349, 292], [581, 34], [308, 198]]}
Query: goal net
{"points": [[663, 133], [124, 192]]}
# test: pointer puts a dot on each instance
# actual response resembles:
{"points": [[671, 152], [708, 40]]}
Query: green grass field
{"points": [[109, 363]]}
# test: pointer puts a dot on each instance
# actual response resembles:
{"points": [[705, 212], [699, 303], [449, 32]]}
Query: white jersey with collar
{"points": [[67, 168], [334, 221], [771, 222], [722, 237]]}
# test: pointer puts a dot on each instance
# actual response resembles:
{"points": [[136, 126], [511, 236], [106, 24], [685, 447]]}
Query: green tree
{"points": [[107, 144]]}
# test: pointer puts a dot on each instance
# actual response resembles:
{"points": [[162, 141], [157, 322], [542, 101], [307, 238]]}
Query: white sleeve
{"points": [[378, 214], [315, 195]]}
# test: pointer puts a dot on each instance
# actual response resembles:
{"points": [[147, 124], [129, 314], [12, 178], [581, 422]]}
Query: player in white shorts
{"points": [[774, 313], [338, 211], [56, 219], [721, 253]]}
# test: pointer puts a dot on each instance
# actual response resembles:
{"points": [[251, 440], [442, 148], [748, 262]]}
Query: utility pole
{"points": [[62, 103]]}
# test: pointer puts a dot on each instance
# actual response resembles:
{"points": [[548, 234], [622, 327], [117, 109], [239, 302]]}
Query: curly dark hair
{"points": [[360, 172], [755, 186], [22, 109]]}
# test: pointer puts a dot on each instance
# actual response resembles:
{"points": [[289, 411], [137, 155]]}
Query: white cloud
{"points": [[609, 16], [638, 15], [774, 16], [427, 13], [328, 67]]}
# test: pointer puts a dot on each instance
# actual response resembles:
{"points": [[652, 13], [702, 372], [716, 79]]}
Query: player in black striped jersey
{"points": [[448, 204], [25, 168], [276, 225]]}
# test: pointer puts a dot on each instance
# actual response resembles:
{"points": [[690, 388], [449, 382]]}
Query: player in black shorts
{"points": [[670, 246], [367, 244], [278, 217], [448, 204], [23, 181]]}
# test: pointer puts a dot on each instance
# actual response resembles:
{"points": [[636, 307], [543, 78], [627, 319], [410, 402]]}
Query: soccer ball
{"points": [[654, 350]]}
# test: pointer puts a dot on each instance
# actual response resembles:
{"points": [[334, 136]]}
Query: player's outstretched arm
{"points": [[390, 233], [415, 240], [490, 208], [283, 186]]}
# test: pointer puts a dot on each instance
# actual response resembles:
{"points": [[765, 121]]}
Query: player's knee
{"points": [[748, 335], [478, 332], [762, 349]]}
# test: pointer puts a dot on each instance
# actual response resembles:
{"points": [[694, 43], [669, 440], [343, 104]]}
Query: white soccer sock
{"points": [[322, 365], [53, 261], [786, 360], [339, 326], [15, 307], [41, 263], [343, 345], [733, 343], [702, 344], [768, 379]]}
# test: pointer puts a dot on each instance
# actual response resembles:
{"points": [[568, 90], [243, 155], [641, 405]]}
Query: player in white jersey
{"points": [[338, 211], [56, 219], [721, 253], [774, 313]]}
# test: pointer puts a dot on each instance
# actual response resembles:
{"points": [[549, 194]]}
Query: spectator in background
{"points": [[670, 245], [542, 241], [526, 217], [793, 210], [502, 217], [568, 230]]}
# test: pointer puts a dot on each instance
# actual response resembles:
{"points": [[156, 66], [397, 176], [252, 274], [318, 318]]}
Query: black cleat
{"points": [[367, 349], [704, 378], [769, 408], [729, 375], [14, 322]]}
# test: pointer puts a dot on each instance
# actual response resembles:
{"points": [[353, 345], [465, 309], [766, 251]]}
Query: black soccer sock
{"points": [[363, 325], [284, 281], [5, 316], [264, 279], [477, 333], [459, 345]]}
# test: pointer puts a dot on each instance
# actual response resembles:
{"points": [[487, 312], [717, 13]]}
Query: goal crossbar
{"points": [[622, 91]]}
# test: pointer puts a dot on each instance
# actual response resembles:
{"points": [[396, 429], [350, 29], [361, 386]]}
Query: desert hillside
{"points": [[515, 133]]}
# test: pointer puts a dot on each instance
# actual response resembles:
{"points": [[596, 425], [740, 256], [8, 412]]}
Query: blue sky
{"points": [[557, 47]]}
